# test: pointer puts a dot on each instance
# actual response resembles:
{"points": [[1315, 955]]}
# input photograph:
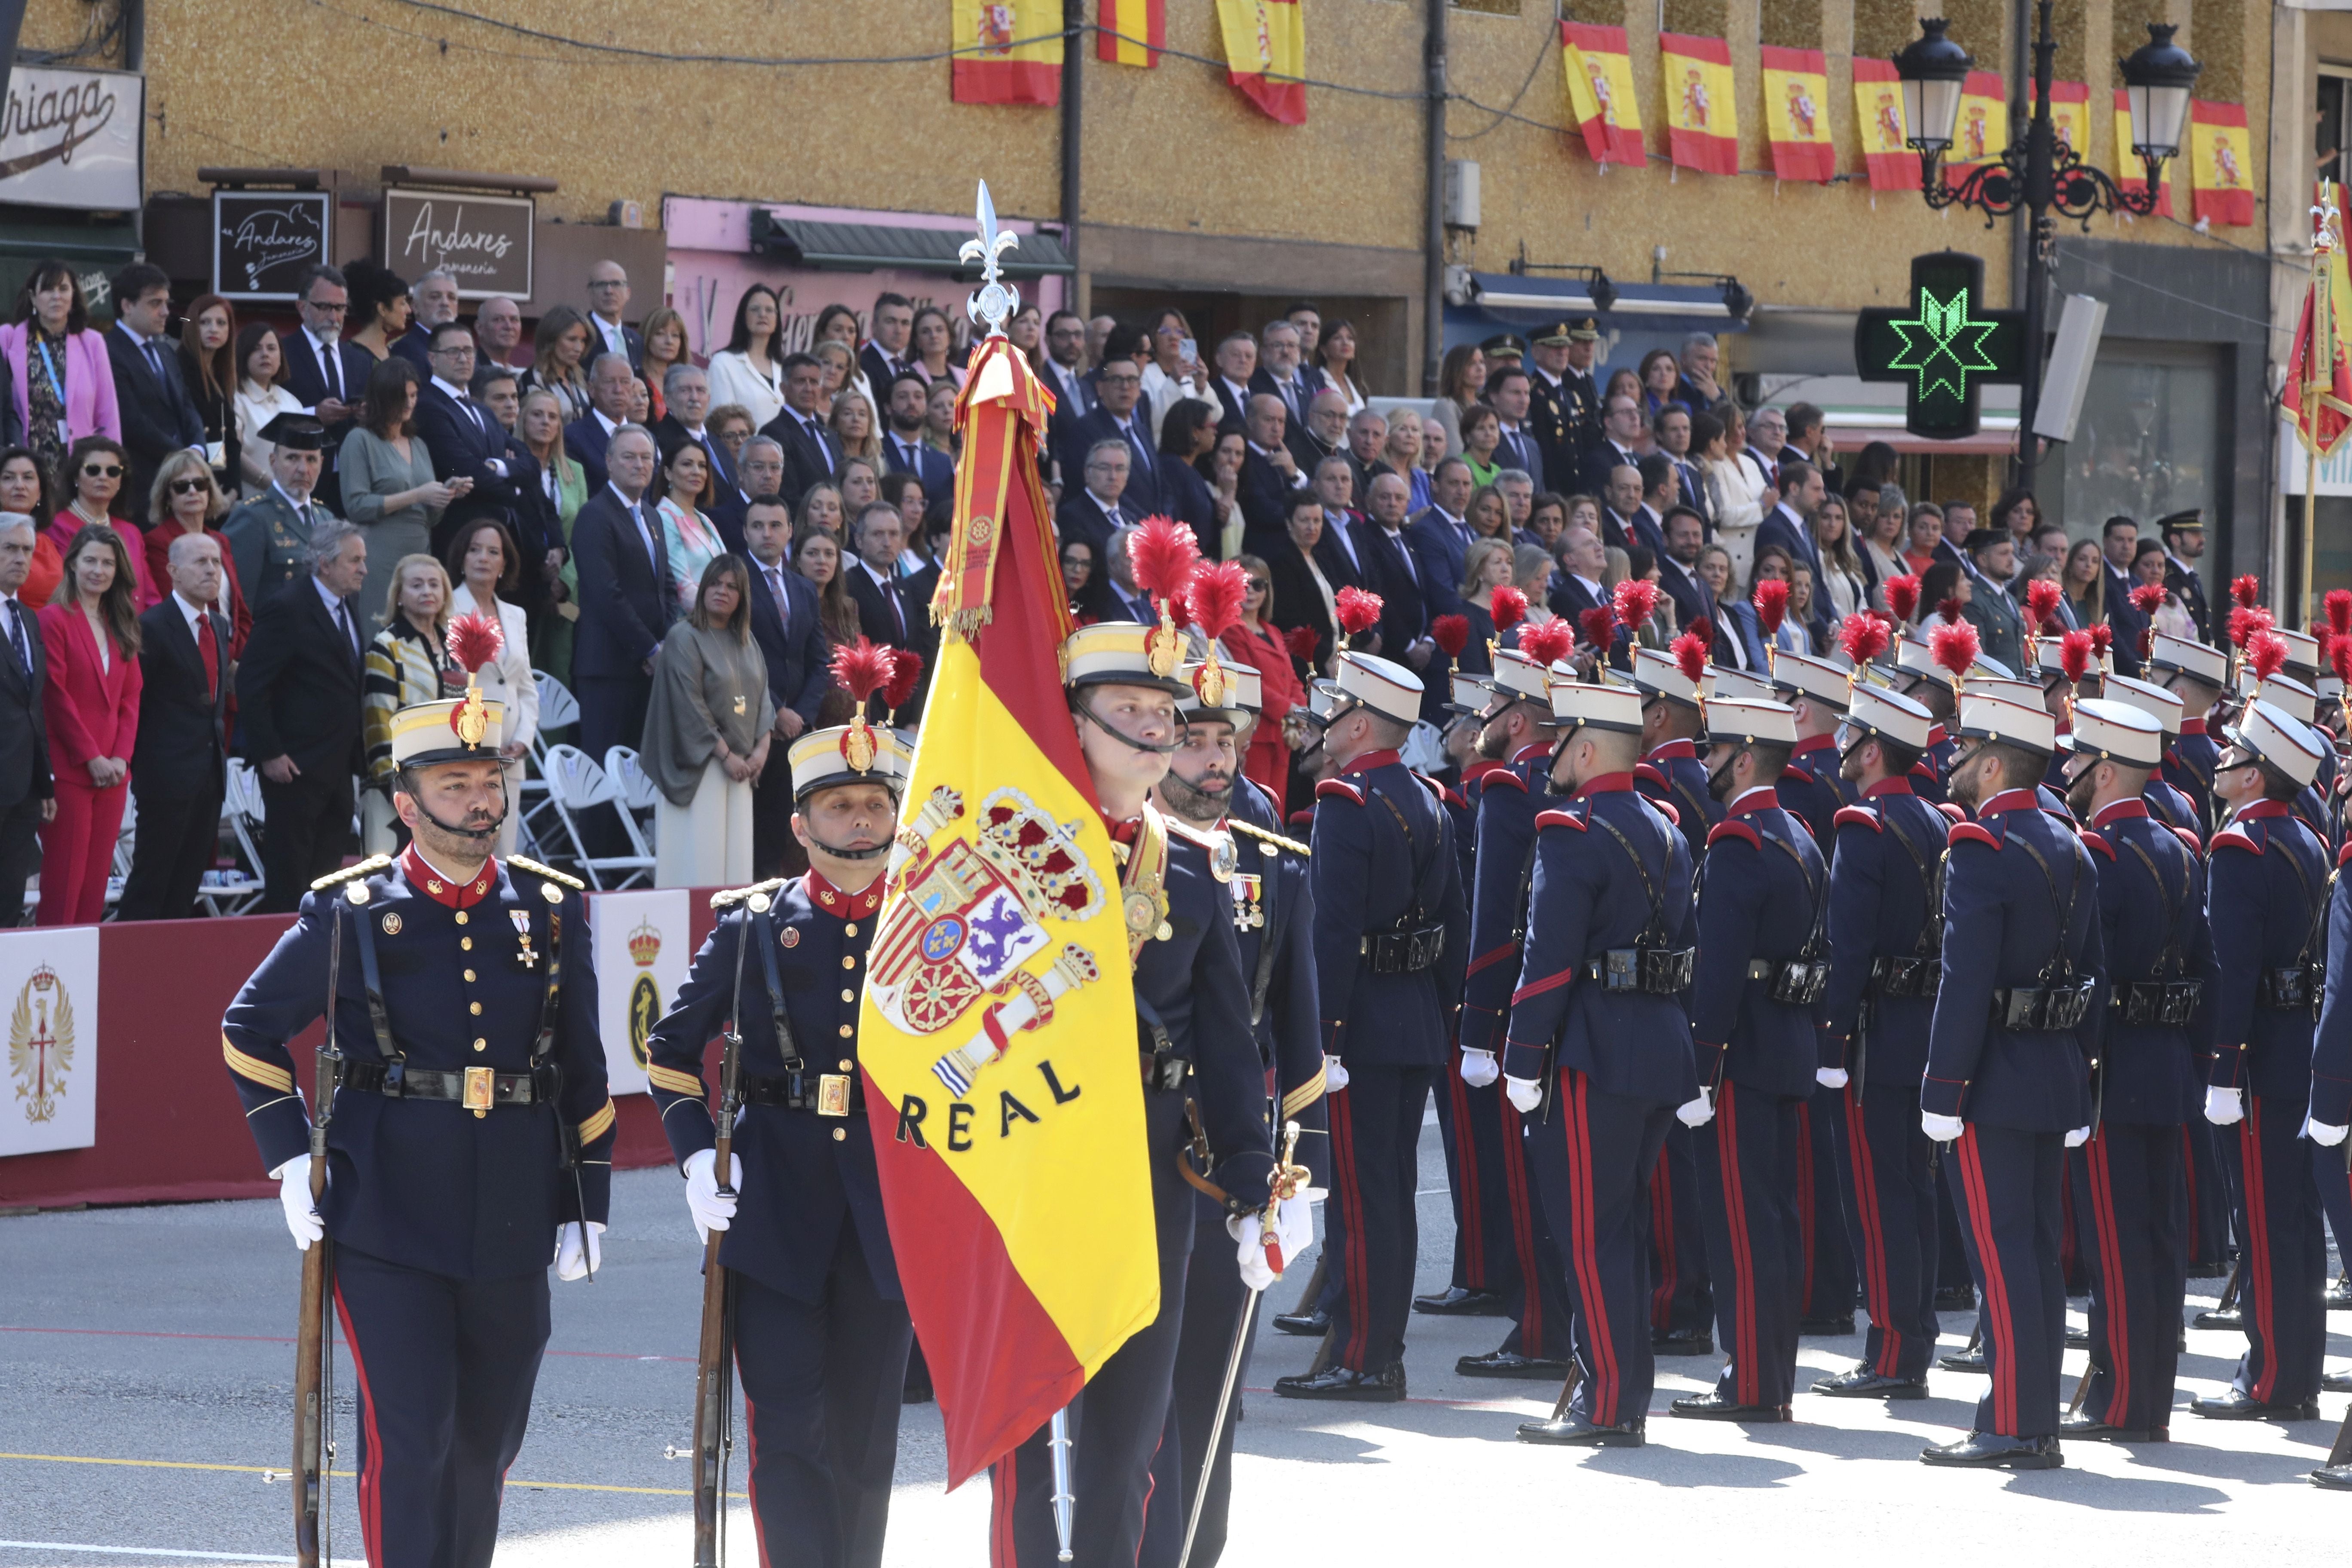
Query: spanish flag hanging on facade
{"points": [[2222, 171], [2126, 160], [1797, 114], [1878, 112], [1702, 123], [1266, 54], [1982, 134], [1601, 94], [2319, 394], [1007, 51], [2069, 116], [997, 1033], [1133, 31]]}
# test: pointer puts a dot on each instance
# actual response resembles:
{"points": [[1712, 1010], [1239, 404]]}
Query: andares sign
{"points": [[484, 242]]}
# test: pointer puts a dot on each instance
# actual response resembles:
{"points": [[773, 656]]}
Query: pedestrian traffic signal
{"points": [[1943, 346]]}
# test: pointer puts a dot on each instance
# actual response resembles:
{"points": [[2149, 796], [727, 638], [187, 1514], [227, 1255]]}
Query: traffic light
{"points": [[1944, 346]]}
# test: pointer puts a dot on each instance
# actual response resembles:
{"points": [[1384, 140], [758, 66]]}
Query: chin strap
{"points": [[1169, 750], [871, 852]]}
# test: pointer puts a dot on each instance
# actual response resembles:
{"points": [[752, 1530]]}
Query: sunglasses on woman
{"points": [[96, 472], [179, 487]]}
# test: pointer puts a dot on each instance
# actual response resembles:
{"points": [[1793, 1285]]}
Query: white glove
{"points": [[1293, 1233], [712, 1209], [2077, 1137], [1479, 1069], [1524, 1093], [2321, 1133], [294, 1197], [1830, 1077], [2224, 1106], [570, 1262], [1942, 1128], [1335, 1077], [1698, 1112]]}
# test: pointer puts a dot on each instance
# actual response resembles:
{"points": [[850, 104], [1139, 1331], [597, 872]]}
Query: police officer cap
{"points": [[2185, 655], [855, 752], [1504, 346], [1240, 693], [1386, 688], [2115, 732], [1518, 677], [1574, 329], [1890, 716], [296, 433], [2164, 707], [1657, 674], [1742, 720], [1578, 706], [1807, 676], [1121, 653], [2270, 733], [2190, 522], [2285, 692], [1738, 686], [2026, 725]]}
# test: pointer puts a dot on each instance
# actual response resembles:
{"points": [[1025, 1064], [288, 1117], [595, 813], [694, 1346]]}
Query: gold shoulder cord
{"points": [[1143, 887], [1276, 840]]}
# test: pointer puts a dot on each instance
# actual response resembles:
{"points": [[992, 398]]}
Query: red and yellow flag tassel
{"points": [[997, 487]]}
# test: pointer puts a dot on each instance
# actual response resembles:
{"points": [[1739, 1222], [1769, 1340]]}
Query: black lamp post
{"points": [[2038, 176]]}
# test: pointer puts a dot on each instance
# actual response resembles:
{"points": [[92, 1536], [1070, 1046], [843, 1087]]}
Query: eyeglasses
{"points": [[182, 487], [325, 310], [1260, 586], [608, 283], [100, 471]]}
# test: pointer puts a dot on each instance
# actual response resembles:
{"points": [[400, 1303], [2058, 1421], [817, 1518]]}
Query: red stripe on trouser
{"points": [[1743, 1262], [1342, 1124], [1662, 1228], [2001, 1329], [371, 1472], [1466, 1171], [1805, 1204], [1875, 1294], [1523, 1231], [751, 1480], [2257, 1245], [2111, 1265], [1580, 1238]]}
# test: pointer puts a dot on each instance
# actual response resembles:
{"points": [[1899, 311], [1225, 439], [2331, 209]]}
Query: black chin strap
{"points": [[1169, 750], [478, 835], [871, 852]]}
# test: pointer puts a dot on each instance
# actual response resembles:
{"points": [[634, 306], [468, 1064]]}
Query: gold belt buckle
{"points": [[481, 1090], [833, 1094]]}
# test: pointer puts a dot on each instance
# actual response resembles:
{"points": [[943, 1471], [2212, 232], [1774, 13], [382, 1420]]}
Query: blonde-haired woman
{"points": [[407, 663], [709, 726]]}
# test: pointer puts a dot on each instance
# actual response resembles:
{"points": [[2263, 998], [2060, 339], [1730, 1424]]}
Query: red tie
{"points": [[210, 654]]}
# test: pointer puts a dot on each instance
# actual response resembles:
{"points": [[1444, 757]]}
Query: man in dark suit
{"points": [[608, 298], [158, 416], [1768, 437], [1621, 435], [432, 302], [1577, 587], [1564, 407], [1280, 375], [298, 704], [465, 438], [585, 439], [625, 599], [685, 399], [1322, 434], [27, 797], [889, 353], [1440, 536], [886, 614], [784, 623], [1624, 519], [1809, 441], [1336, 550], [906, 402], [1270, 472], [179, 764], [1685, 533], [1672, 432], [2119, 543], [1232, 376], [812, 451], [1125, 601], [1397, 576], [327, 374], [1095, 510], [1788, 524], [1510, 392], [1065, 365], [1115, 418]]}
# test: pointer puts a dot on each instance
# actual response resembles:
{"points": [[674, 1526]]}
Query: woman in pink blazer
{"points": [[63, 386], [91, 700]]}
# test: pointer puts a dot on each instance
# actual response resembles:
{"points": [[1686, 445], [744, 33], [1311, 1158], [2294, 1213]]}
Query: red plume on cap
{"points": [[1903, 595], [1690, 651], [863, 668], [2147, 598], [2074, 654], [1358, 611], [1863, 637], [2040, 599], [2340, 658], [2339, 606], [2245, 621], [1510, 609], [1549, 643], [1636, 601], [474, 641], [1214, 598], [2265, 654], [1451, 633], [2246, 592], [906, 669], [1163, 553], [1949, 611], [1599, 626], [1771, 604], [1955, 648], [1300, 641], [2103, 637]]}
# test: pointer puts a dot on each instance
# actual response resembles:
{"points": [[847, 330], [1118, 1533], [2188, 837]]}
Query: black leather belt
{"points": [[825, 1094], [1906, 976], [1165, 1072], [2290, 989], [2036, 1008], [1798, 981], [1403, 952], [476, 1088], [2166, 1002], [1651, 971]]}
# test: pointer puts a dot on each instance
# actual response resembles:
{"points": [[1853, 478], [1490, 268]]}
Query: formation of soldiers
{"points": [[1907, 982]]}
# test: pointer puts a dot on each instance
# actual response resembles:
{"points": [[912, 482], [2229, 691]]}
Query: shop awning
{"points": [[1512, 300], [30, 232], [1859, 412], [869, 247]]}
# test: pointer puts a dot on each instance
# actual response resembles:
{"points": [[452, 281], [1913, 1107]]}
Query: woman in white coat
{"points": [[484, 562]]}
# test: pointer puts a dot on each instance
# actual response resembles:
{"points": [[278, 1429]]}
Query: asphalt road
{"points": [[145, 1373]]}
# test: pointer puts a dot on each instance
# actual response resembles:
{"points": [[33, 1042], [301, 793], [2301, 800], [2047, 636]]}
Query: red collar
{"points": [[1371, 760], [1607, 783], [440, 889], [1887, 786], [2193, 726], [2009, 800], [1536, 749], [1483, 766], [2119, 810], [1936, 737], [1813, 744], [1763, 797], [841, 905], [2255, 809], [1670, 749], [1120, 832]]}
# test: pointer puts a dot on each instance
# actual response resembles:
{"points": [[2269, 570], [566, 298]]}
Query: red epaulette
{"points": [[1666, 808], [1561, 818], [1799, 771], [1951, 812], [2098, 843], [1732, 827], [2237, 837], [1340, 789], [2196, 847], [1452, 797], [1859, 816], [1435, 788], [1644, 772], [1503, 776], [1303, 818], [1971, 833]]}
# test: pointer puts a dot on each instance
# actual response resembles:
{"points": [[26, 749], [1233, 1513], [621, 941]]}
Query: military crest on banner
{"points": [[41, 1044]]}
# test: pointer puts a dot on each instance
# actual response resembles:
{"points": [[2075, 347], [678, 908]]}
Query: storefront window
{"points": [[2145, 445]]}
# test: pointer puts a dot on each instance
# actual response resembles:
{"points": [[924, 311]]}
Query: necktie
{"points": [[1142, 452], [155, 363], [351, 630], [16, 637], [1397, 543], [206, 651], [783, 604], [331, 371], [897, 610]]}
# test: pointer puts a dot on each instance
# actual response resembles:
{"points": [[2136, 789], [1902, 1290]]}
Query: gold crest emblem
{"points": [[41, 1044], [391, 924], [472, 718]]}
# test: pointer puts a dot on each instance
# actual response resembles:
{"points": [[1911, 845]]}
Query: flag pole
{"points": [[2323, 340]]}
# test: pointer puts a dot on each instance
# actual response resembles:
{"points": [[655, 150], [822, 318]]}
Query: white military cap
{"points": [[1576, 705], [2164, 707], [1386, 688], [2197, 660], [1741, 720], [1890, 716], [2117, 732], [2279, 739], [2009, 723]]}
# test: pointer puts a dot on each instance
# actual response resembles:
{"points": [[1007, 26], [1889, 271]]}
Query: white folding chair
{"points": [[574, 784], [558, 710], [636, 793], [236, 889], [119, 873]]}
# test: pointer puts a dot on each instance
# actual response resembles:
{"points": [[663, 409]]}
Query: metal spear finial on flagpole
{"points": [[1057, 1443], [997, 302], [2318, 381]]}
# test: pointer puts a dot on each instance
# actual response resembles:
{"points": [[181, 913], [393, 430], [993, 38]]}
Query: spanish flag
{"points": [[2221, 170], [1266, 54], [998, 1026], [2070, 117], [1878, 112], [1601, 94], [2125, 159], [2323, 364], [1797, 114], [1702, 123], [1982, 134], [1133, 31], [1007, 51]]}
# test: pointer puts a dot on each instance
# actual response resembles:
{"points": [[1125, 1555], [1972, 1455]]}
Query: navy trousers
{"points": [[2283, 1252], [1116, 1420], [1593, 1161], [446, 1369], [1213, 1297], [2128, 1183], [823, 1384], [1469, 1124], [1755, 1253], [1823, 1207], [1895, 1221], [1369, 1237], [1539, 1301], [1952, 1271], [1681, 1301], [2007, 1183], [2328, 1174], [2210, 1206]]}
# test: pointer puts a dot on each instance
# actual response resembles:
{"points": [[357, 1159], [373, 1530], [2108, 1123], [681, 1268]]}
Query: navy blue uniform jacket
{"points": [[1672, 774], [1290, 1028], [2264, 886], [2153, 927], [1509, 800], [1763, 883], [1194, 983], [1810, 787], [2331, 1052], [1882, 872]]}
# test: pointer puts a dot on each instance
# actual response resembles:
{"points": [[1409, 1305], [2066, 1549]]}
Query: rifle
{"points": [[314, 1354], [714, 1381]]}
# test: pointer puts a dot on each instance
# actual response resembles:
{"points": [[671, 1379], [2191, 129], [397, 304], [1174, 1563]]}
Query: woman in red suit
{"points": [[91, 638], [1257, 642]]}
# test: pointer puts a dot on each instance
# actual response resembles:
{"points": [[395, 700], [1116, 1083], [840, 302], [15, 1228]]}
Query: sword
{"points": [[1057, 1442]]}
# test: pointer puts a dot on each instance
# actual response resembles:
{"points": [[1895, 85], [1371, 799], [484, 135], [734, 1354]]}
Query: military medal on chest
{"points": [[523, 955], [1249, 901]]}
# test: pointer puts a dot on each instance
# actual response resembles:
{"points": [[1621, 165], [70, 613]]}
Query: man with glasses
{"points": [[327, 374], [466, 439], [608, 296], [1117, 386], [1096, 511], [433, 301]]}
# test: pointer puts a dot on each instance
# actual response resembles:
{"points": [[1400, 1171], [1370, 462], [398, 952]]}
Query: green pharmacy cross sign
{"points": [[1943, 346]]}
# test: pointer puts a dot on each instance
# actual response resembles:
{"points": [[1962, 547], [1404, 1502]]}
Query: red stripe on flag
{"points": [[1007, 81], [2231, 204]]}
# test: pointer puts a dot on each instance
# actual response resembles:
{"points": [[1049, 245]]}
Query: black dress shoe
{"points": [[1860, 1383], [2089, 1427], [1956, 1299], [1964, 1361], [1457, 1302], [2335, 1477], [2220, 1318], [1715, 1407], [1697, 1342], [2078, 1339], [1511, 1363], [917, 1391], [1991, 1451], [2336, 1383], [1826, 1324], [1313, 1325], [2339, 1295], [2210, 1268], [2231, 1404], [1385, 1386], [1573, 1431]]}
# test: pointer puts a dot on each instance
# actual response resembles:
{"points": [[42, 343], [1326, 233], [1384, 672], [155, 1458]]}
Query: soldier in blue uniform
{"points": [[1912, 672], [821, 1329], [1389, 932], [2266, 894], [470, 1139], [1763, 959], [2165, 803], [1274, 924], [2196, 674], [2301, 703], [2006, 1079], [2126, 1178], [2330, 1115], [1596, 1025], [1885, 935]]}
